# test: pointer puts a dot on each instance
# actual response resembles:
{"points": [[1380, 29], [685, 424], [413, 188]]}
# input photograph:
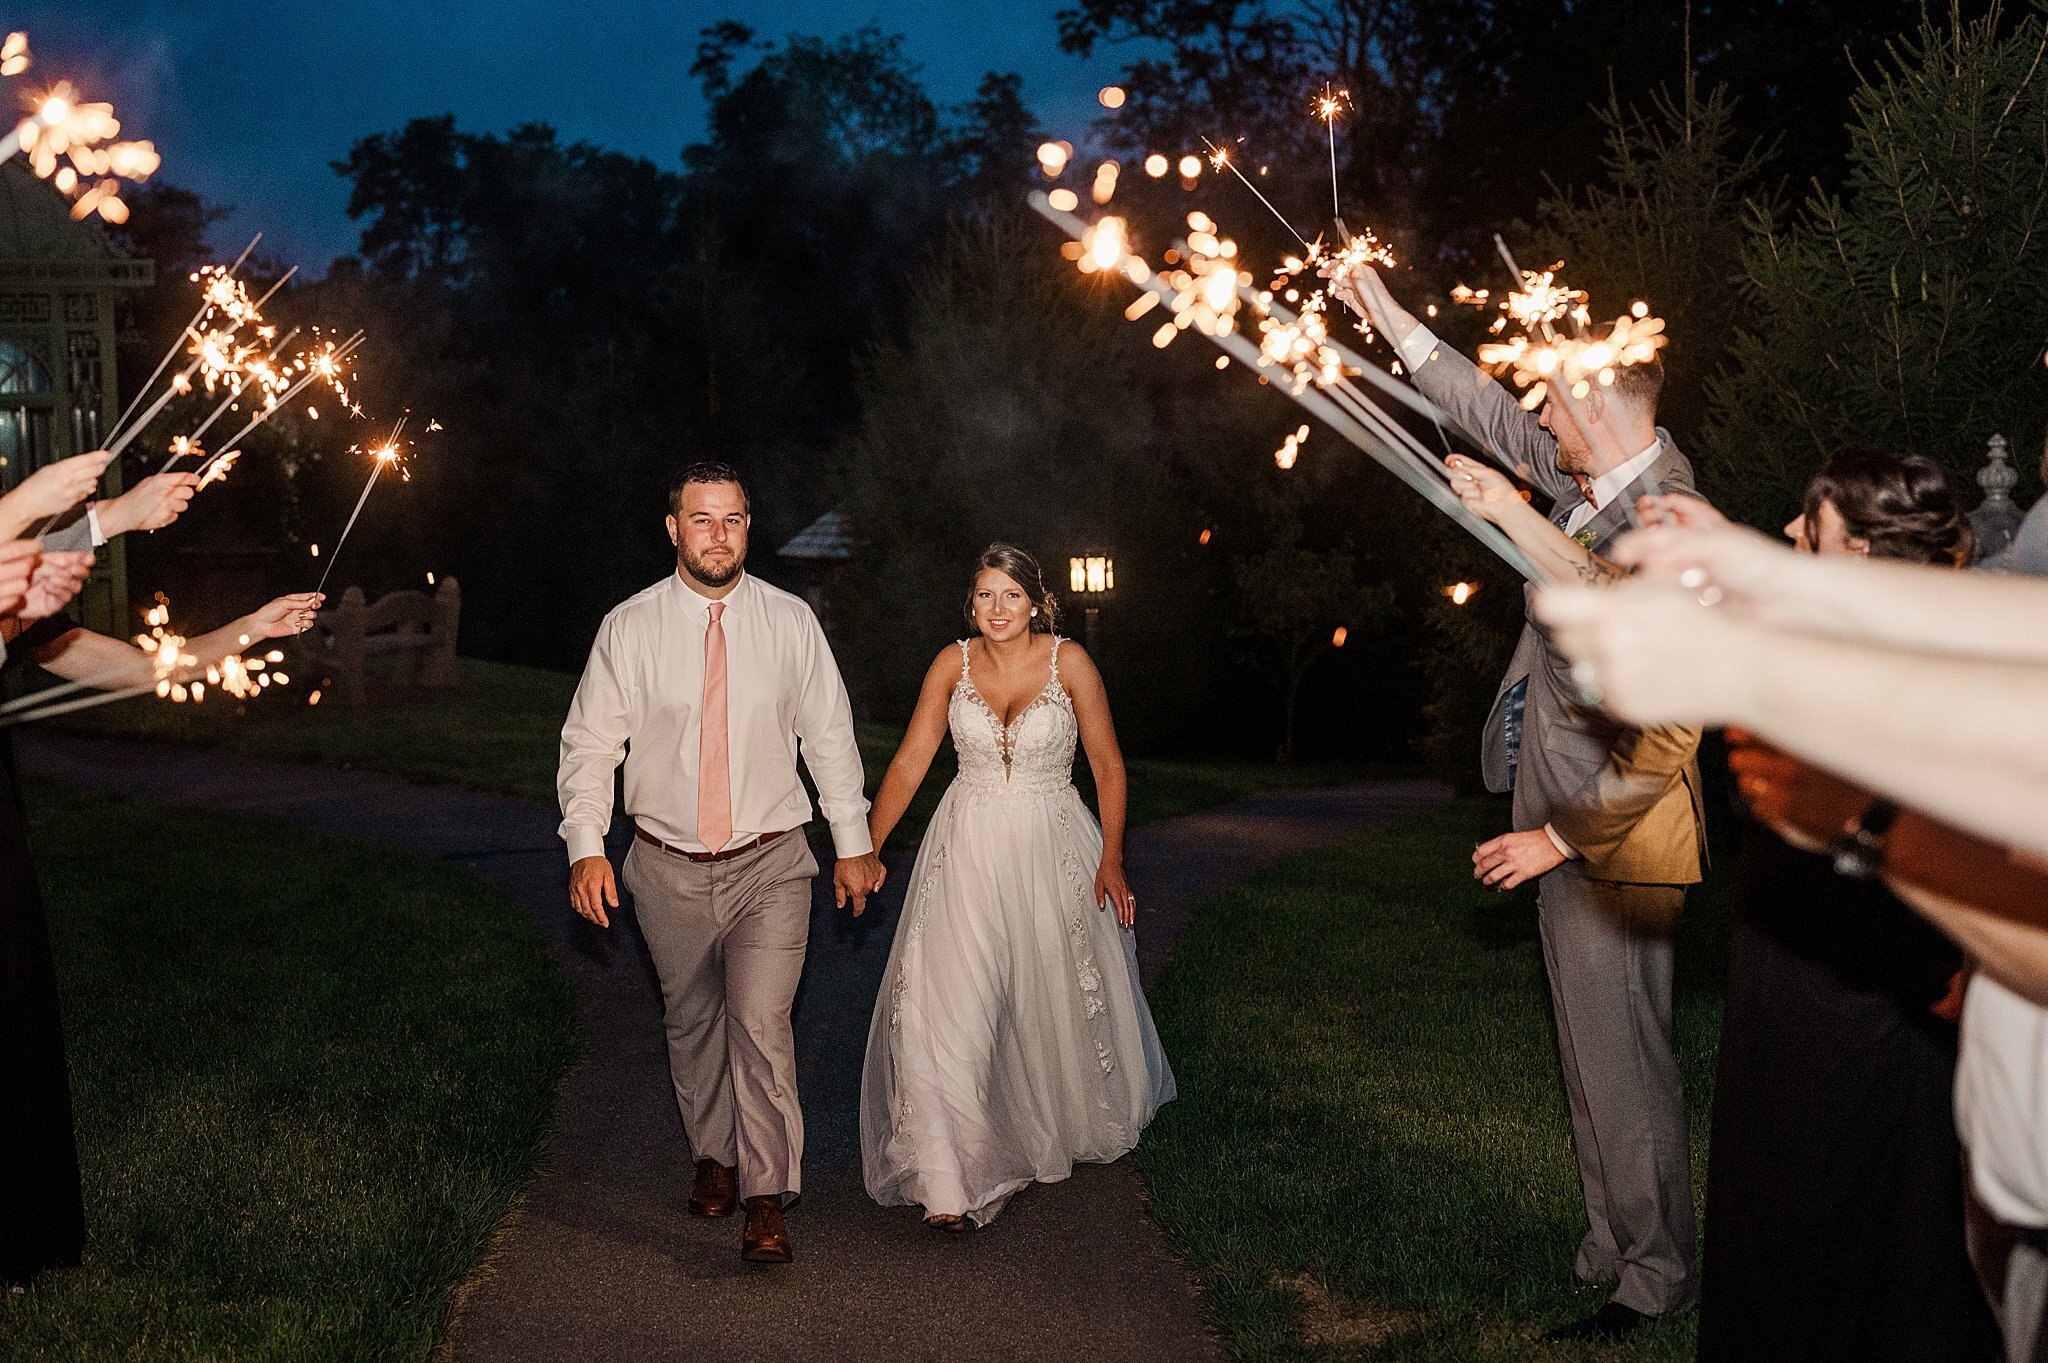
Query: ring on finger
{"points": [[1584, 678]]}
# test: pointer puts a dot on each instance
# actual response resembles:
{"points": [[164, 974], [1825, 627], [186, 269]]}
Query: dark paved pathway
{"points": [[602, 1262]]}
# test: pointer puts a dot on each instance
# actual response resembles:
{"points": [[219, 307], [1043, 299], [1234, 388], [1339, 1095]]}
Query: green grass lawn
{"points": [[501, 732], [1370, 1157], [310, 1077]]}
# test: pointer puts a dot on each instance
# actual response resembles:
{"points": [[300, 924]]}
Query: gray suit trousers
{"points": [[728, 942], [1607, 951]]}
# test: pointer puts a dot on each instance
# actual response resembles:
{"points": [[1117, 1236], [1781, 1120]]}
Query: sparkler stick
{"points": [[179, 344], [30, 716], [1337, 418], [1219, 157], [1327, 108], [386, 454]]}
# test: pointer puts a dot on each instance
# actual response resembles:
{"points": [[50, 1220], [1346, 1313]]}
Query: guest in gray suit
{"points": [[1607, 822]]}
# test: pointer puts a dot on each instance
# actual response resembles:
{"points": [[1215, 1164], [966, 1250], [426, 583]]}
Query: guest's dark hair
{"points": [[1901, 504], [1022, 569], [706, 471]]}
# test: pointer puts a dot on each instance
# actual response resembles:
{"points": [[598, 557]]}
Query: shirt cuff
{"points": [[850, 839], [92, 520], [1563, 849], [583, 842], [1417, 347]]}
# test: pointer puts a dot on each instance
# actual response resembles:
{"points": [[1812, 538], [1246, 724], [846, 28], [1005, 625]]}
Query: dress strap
{"points": [[1055, 657], [966, 661]]}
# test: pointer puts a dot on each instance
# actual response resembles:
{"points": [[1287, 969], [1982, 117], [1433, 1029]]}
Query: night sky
{"points": [[250, 102]]}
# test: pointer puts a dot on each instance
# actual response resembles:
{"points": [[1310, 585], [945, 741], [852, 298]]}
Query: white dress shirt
{"points": [[641, 693], [1609, 485]]}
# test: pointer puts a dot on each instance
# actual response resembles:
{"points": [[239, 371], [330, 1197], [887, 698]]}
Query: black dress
{"points": [[42, 1211], [1834, 1221]]}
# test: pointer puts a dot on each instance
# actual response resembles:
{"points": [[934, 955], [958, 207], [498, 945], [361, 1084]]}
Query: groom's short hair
{"points": [[706, 471], [1640, 384]]}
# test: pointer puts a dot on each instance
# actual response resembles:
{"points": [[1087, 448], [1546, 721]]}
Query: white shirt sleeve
{"points": [[1564, 848], [1417, 348], [824, 724], [593, 740]]}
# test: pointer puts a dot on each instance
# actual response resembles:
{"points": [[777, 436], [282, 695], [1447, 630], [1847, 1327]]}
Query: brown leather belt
{"points": [[701, 857]]}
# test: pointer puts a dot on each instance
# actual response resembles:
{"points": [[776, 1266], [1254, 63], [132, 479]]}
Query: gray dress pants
{"points": [[728, 941], [1607, 949], [2012, 1265]]}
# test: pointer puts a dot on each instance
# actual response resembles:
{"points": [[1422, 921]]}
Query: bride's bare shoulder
{"points": [[947, 664]]}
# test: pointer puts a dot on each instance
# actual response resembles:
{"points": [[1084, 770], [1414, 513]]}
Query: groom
{"points": [[707, 682], [1607, 822]]}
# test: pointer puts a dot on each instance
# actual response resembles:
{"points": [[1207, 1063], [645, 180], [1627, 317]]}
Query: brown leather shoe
{"points": [[766, 1239], [716, 1192]]}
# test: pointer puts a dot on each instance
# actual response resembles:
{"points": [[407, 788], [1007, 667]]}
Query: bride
{"points": [[1011, 1038]]}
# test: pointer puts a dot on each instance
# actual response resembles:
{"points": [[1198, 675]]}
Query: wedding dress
{"points": [[1011, 1038]]}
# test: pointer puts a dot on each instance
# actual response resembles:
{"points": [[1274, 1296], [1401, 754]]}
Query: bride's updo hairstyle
{"points": [[1901, 503], [1022, 569]]}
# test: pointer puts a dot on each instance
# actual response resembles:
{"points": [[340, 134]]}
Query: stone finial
{"points": [[1996, 519]]}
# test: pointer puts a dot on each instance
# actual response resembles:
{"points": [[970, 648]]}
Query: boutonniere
{"points": [[1586, 537]]}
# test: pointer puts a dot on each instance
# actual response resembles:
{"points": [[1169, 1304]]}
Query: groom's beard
{"points": [[715, 574]]}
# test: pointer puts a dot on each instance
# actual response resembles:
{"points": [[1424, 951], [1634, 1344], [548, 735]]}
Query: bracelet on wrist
{"points": [[1858, 850]]}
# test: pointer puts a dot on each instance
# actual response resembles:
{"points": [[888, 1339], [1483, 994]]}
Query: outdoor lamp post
{"points": [[1091, 578]]}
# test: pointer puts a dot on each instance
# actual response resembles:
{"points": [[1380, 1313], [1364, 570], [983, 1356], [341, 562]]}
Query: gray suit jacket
{"points": [[1627, 800]]}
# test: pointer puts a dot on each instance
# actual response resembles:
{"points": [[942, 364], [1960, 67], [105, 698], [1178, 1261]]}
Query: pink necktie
{"points": [[714, 753]]}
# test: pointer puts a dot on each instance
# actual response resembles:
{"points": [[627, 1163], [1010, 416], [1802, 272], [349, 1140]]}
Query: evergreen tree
{"points": [[1669, 227], [1907, 313]]}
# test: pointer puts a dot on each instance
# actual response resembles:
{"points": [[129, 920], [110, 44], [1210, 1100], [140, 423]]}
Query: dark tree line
{"points": [[837, 290]]}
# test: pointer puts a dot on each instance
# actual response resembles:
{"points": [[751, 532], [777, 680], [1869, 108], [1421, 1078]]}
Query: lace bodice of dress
{"points": [[1036, 751]]}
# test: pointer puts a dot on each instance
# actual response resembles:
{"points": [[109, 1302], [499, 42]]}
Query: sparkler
{"points": [[314, 374], [206, 301], [390, 453], [1566, 368], [1219, 159], [215, 355], [81, 133], [263, 372], [1332, 103], [1208, 293]]}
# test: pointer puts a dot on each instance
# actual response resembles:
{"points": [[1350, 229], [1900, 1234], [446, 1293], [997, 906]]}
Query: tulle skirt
{"points": [[1011, 1037]]}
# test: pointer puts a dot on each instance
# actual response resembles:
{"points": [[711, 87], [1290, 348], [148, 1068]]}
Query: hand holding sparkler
{"points": [[58, 578], [1492, 496], [18, 560], [1357, 284], [155, 502], [279, 619], [51, 491]]}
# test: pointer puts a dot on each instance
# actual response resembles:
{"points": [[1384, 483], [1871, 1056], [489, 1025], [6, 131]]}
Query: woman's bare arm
{"points": [[913, 759]]}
